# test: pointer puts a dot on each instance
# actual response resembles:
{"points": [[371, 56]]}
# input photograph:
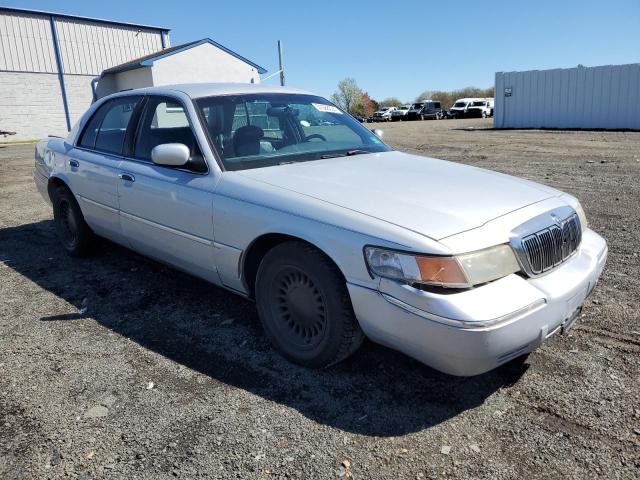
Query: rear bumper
{"points": [[475, 331], [42, 183]]}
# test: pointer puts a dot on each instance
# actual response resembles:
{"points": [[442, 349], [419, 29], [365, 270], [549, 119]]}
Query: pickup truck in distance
{"points": [[281, 197]]}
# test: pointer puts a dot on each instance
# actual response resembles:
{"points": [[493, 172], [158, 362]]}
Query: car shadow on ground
{"points": [[216, 333]]}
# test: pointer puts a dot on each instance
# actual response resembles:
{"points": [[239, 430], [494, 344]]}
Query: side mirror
{"points": [[378, 133], [170, 154]]}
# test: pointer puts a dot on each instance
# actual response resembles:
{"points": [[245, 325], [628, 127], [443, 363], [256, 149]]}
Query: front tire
{"points": [[304, 306], [73, 232]]}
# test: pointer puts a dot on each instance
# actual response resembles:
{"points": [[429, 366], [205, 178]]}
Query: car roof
{"points": [[198, 90]]}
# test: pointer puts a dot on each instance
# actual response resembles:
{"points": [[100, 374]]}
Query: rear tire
{"points": [[304, 306], [73, 232]]}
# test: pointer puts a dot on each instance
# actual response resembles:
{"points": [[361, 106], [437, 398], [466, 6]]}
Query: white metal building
{"points": [[47, 62], [52, 66], [606, 97], [199, 61]]}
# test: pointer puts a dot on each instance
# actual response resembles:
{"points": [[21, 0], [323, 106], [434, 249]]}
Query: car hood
{"points": [[435, 198]]}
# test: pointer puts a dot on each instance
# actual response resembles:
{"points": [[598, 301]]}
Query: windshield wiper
{"points": [[348, 153]]}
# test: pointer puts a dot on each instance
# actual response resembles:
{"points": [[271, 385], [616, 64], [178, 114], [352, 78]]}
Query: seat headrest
{"points": [[248, 133]]}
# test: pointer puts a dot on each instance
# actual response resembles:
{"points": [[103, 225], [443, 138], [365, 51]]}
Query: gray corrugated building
{"points": [[48, 60], [606, 97]]}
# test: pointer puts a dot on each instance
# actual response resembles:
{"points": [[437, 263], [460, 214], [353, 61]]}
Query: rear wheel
{"points": [[484, 114], [304, 306], [73, 232]]}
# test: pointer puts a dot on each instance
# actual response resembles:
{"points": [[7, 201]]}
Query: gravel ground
{"points": [[118, 367]]}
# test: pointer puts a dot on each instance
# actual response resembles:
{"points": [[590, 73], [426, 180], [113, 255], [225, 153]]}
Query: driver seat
{"points": [[246, 140]]}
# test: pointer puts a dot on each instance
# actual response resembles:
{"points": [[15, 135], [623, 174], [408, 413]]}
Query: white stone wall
{"points": [[31, 103], [79, 95]]}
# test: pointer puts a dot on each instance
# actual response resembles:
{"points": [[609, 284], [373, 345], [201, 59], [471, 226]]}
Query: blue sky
{"points": [[398, 48]]}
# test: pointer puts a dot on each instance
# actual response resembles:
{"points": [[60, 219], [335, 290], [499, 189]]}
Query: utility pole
{"points": [[280, 62]]}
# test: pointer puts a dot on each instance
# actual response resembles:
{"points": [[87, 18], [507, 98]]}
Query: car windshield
{"points": [[416, 106], [460, 104], [262, 130]]}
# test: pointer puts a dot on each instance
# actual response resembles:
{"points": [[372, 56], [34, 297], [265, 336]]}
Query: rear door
{"points": [[94, 165], [166, 212]]}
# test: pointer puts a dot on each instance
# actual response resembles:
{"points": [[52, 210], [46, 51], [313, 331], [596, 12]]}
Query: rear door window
{"points": [[114, 123], [106, 128], [90, 133]]}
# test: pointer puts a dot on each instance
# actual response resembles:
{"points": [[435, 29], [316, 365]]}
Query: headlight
{"points": [[582, 217], [459, 271]]}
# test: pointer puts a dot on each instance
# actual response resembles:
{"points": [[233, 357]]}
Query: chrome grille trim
{"points": [[546, 241]]}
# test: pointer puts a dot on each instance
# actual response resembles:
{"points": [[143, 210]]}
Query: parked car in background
{"points": [[480, 108], [332, 233], [414, 111], [400, 113], [459, 108], [471, 107], [431, 110], [383, 115]]}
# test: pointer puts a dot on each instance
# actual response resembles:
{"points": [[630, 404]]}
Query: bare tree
{"points": [[348, 96], [390, 102], [448, 98]]}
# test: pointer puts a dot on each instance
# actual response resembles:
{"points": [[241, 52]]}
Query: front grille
{"points": [[551, 246]]}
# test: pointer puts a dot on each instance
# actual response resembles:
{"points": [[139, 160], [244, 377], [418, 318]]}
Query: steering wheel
{"points": [[315, 135]]}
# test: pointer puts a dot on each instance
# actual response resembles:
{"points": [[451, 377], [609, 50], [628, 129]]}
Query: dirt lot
{"points": [[117, 367]]}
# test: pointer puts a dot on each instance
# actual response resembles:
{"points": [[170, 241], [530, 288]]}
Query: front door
{"points": [[166, 212]]}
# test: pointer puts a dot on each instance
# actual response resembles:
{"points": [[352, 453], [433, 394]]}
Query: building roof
{"points": [[78, 17], [148, 60], [199, 90]]}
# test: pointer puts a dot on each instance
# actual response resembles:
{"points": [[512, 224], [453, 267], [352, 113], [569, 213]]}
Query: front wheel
{"points": [[304, 306], [73, 232]]}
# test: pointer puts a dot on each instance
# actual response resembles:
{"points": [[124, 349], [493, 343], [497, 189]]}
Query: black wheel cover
{"points": [[67, 224], [298, 308]]}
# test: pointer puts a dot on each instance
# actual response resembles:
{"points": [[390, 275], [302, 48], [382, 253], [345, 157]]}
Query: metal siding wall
{"points": [[605, 97], [31, 100], [26, 44], [88, 47]]}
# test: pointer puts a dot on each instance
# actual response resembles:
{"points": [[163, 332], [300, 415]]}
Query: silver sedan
{"points": [[278, 195]]}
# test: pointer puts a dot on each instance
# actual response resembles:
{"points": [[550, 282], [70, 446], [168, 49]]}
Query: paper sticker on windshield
{"points": [[321, 107]]}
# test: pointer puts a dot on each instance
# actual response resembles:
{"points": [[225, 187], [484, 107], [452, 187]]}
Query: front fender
{"points": [[237, 225]]}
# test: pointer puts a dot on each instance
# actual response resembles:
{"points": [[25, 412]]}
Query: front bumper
{"points": [[475, 331]]}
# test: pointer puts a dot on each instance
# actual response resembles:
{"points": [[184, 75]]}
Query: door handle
{"points": [[126, 176], [74, 163]]}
